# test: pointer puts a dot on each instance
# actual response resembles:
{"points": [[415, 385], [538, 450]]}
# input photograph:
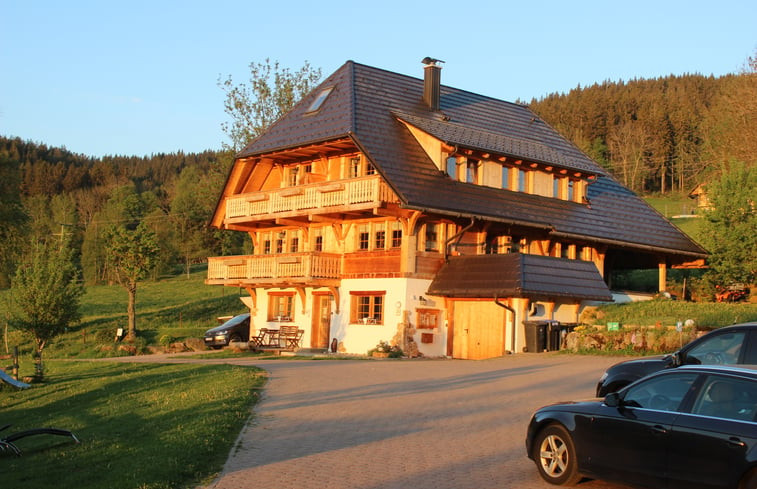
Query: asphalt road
{"points": [[421, 424]]}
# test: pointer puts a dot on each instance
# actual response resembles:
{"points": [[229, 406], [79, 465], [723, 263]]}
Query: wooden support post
{"points": [[663, 275]]}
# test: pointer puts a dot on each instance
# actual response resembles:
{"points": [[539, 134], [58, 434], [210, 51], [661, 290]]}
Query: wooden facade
{"points": [[354, 208]]}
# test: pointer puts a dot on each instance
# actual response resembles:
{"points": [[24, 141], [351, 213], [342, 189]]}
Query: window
{"points": [[431, 237], [471, 171], [281, 306], [522, 180], [354, 167], [367, 307], [318, 243], [556, 188], [370, 169], [571, 188], [580, 252], [294, 245], [452, 167], [663, 393], [723, 348], [280, 245], [727, 398], [364, 237], [396, 234], [380, 240], [292, 176], [505, 177], [319, 100], [267, 247]]}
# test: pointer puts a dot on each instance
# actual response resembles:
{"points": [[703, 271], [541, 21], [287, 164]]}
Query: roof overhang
{"points": [[519, 275]]}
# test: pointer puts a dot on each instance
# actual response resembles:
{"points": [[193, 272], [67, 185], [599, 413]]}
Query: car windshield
{"points": [[663, 393], [236, 320], [719, 349]]}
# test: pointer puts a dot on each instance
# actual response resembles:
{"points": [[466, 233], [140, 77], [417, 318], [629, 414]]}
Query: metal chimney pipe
{"points": [[432, 77]]}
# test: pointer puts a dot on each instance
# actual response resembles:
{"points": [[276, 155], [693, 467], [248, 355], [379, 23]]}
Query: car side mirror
{"points": [[612, 399], [675, 359]]}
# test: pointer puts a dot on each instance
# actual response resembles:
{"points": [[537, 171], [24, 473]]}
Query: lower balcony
{"points": [[307, 268]]}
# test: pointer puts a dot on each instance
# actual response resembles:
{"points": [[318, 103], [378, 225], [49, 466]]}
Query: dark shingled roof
{"points": [[368, 105], [519, 275]]}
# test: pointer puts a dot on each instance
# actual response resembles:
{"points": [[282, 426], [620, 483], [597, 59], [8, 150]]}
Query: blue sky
{"points": [[140, 77]]}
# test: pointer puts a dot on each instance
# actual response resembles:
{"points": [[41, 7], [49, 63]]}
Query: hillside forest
{"points": [[661, 136]]}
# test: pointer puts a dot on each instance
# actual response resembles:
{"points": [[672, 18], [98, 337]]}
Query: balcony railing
{"points": [[303, 266], [363, 192]]}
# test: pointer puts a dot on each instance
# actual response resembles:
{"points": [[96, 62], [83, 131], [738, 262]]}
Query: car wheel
{"points": [[749, 481], [555, 456], [235, 338]]}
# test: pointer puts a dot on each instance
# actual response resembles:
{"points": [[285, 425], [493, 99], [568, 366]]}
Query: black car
{"points": [[235, 329], [693, 427], [730, 345]]}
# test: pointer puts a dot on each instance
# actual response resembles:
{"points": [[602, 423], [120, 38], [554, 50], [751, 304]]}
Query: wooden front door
{"points": [[479, 330], [319, 336]]}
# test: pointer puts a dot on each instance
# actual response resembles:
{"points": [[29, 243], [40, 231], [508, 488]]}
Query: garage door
{"points": [[479, 330]]}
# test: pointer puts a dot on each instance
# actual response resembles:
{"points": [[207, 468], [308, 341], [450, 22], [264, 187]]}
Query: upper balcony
{"points": [[335, 197]]}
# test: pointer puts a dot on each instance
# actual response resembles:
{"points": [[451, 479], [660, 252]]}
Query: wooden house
{"points": [[388, 207]]}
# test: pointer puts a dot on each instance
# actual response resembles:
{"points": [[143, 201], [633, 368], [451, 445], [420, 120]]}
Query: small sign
{"points": [[613, 326], [679, 326]]}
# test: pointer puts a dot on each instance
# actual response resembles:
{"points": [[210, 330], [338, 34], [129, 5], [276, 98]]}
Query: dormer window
{"points": [[319, 100]]}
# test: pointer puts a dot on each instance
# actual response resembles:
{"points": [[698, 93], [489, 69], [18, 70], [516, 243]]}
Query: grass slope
{"points": [[177, 307]]}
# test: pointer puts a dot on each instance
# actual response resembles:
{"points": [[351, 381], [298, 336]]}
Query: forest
{"points": [[654, 135], [665, 134], [53, 194]]}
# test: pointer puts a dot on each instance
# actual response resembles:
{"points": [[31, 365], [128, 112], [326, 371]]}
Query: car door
{"points": [[712, 446], [630, 442]]}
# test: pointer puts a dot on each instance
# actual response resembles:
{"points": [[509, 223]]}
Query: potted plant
{"points": [[385, 350]]}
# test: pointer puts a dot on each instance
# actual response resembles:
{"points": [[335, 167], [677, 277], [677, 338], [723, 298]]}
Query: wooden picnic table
{"points": [[287, 337]]}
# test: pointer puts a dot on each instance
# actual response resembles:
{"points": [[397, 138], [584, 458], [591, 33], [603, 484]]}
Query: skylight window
{"points": [[319, 100]]}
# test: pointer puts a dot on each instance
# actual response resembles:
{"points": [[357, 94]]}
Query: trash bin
{"points": [[536, 336], [554, 335], [557, 332]]}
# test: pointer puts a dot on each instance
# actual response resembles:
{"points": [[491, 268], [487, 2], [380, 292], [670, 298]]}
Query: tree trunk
{"points": [[132, 312]]}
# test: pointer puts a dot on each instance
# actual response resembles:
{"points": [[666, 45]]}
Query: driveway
{"points": [[420, 424]]}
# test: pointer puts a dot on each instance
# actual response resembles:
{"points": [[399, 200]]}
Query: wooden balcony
{"points": [[308, 268], [319, 198]]}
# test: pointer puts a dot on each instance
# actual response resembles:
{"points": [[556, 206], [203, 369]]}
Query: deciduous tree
{"points": [[130, 253], [45, 294], [271, 92]]}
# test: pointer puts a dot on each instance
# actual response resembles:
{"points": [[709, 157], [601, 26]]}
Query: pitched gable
{"points": [[371, 107]]}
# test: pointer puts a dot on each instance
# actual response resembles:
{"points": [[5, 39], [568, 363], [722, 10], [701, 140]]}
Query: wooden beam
{"points": [[317, 218], [410, 224], [282, 221], [335, 291], [301, 293], [253, 294]]}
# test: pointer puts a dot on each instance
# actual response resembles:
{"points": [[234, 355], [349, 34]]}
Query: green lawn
{"points": [[672, 205], [143, 426], [707, 315], [177, 307]]}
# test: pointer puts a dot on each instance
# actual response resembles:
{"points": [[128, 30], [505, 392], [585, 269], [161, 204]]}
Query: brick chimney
{"points": [[432, 77]]}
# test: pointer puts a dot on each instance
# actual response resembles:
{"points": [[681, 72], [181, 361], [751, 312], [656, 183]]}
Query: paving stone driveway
{"points": [[420, 424]]}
